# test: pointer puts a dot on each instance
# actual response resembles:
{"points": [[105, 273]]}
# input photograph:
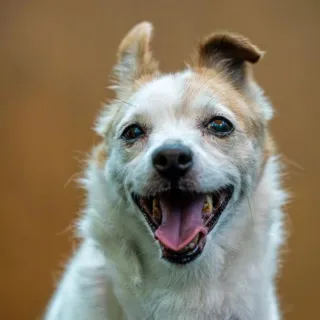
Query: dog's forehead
{"points": [[165, 91], [182, 93]]}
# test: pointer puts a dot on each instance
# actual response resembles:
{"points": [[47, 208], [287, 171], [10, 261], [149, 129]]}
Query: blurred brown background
{"points": [[55, 57]]}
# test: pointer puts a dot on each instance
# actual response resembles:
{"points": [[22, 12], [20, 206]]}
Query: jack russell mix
{"points": [[183, 217]]}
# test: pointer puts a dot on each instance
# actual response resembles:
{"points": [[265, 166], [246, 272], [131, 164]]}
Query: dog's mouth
{"points": [[182, 220]]}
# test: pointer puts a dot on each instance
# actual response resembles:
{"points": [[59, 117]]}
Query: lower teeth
{"points": [[191, 245]]}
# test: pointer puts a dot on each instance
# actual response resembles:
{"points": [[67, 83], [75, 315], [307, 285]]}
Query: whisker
{"points": [[126, 102], [250, 208], [141, 253], [293, 163], [115, 208], [75, 175], [67, 229]]}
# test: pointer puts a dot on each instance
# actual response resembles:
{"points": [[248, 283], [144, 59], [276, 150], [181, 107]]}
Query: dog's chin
{"points": [[182, 220]]}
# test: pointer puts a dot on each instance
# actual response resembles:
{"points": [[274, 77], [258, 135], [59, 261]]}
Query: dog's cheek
{"points": [[116, 165], [127, 166], [140, 172], [247, 157]]}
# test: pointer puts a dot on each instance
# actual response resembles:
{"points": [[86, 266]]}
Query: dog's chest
{"points": [[169, 305]]}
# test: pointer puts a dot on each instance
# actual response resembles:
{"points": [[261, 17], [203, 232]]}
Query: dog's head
{"points": [[185, 148]]}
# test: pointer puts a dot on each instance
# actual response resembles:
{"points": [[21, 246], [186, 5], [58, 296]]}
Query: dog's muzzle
{"points": [[180, 219]]}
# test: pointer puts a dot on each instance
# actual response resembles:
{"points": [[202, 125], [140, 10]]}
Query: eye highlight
{"points": [[220, 126], [132, 133]]}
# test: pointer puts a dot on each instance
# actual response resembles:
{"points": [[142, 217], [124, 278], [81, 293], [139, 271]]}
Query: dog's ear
{"points": [[134, 58], [229, 53]]}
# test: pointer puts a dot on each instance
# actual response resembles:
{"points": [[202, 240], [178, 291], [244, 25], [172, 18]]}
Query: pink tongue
{"points": [[181, 221]]}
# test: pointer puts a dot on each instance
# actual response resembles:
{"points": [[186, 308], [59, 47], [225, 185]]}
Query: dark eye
{"points": [[133, 132], [220, 126]]}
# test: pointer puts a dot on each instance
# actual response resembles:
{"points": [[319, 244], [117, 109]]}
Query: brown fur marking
{"points": [[100, 155]]}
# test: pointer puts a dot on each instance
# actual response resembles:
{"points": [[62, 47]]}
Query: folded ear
{"points": [[134, 57], [229, 53]]}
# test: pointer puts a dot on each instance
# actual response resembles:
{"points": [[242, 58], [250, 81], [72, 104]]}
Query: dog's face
{"points": [[187, 147]]}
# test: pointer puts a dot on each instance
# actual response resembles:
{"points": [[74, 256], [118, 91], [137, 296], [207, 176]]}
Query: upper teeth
{"points": [[207, 208], [155, 209], [155, 202]]}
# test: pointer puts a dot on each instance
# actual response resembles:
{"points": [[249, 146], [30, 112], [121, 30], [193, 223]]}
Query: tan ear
{"points": [[134, 57], [229, 53]]}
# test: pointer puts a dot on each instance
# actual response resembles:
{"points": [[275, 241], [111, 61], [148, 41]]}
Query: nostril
{"points": [[162, 161], [184, 159]]}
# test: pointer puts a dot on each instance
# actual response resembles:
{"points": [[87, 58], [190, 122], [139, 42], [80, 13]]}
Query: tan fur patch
{"points": [[269, 149], [228, 53], [135, 58], [222, 61], [245, 110], [226, 45], [100, 155], [139, 38]]}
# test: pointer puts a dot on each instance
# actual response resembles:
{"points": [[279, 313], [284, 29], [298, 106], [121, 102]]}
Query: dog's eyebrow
{"points": [[126, 102]]}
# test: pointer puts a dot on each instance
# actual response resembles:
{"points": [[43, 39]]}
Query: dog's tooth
{"points": [[210, 203], [207, 208], [191, 245], [156, 213], [156, 207]]}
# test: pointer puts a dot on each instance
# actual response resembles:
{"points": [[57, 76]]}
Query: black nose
{"points": [[172, 161]]}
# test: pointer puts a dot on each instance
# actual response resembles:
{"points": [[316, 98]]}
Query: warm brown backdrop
{"points": [[54, 60]]}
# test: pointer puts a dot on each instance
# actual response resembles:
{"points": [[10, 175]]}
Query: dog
{"points": [[184, 210]]}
